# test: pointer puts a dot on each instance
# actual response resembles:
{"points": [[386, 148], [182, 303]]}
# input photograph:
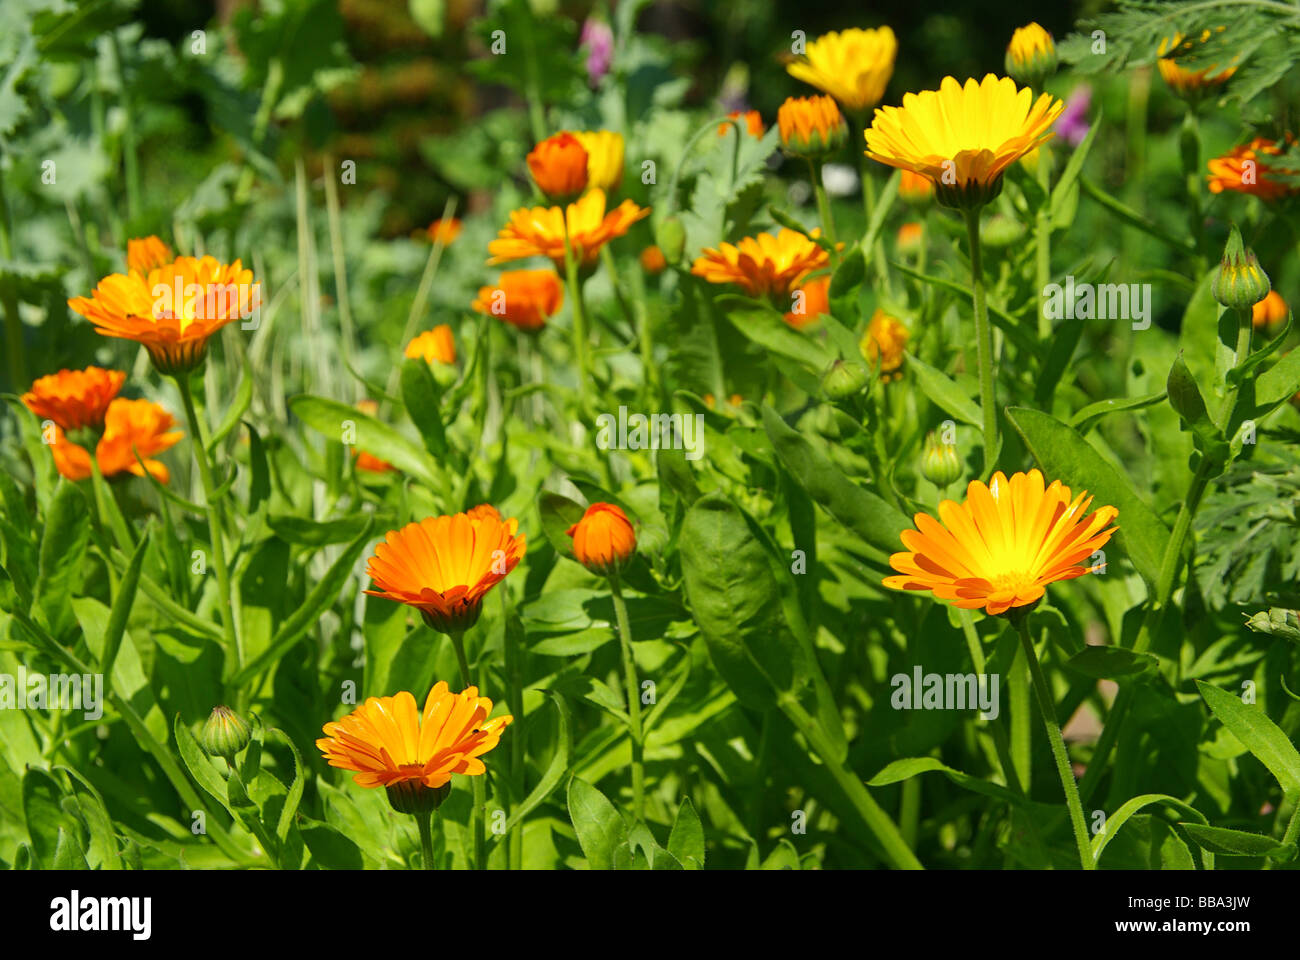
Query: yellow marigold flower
{"points": [[444, 231], [1270, 311], [525, 299], [963, 137], [604, 158], [810, 301], [1031, 55], [1186, 82], [387, 742], [172, 310], [147, 253], [653, 260], [1001, 547], [915, 188], [853, 66], [765, 265], [753, 123], [130, 426], [603, 539], [443, 566], [74, 399], [540, 231], [559, 167], [1245, 170], [811, 126], [436, 344], [884, 343], [911, 237]]}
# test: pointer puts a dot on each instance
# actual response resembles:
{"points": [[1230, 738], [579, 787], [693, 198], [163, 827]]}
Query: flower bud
{"points": [[811, 126], [1276, 622], [1240, 282], [225, 733], [604, 539], [1001, 231], [844, 379], [915, 188], [940, 463], [670, 238], [911, 239], [559, 167], [1031, 56]]}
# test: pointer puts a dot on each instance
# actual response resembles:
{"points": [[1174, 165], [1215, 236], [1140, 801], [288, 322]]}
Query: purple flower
{"points": [[598, 39], [1073, 125]]}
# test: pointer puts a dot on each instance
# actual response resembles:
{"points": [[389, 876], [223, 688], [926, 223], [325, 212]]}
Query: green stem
{"points": [[234, 646], [476, 825], [340, 261], [633, 699], [1022, 754], [1043, 245], [425, 822], [130, 156], [983, 343], [823, 206], [1046, 708], [1190, 148], [579, 322]]}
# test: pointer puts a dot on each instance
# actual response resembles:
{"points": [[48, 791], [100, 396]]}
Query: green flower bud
{"points": [[844, 380], [413, 797], [224, 733], [1240, 282], [940, 463], [670, 238], [1031, 56], [1002, 231], [1276, 622]]}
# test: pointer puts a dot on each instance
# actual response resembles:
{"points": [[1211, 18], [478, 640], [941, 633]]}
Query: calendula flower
{"points": [[603, 539], [811, 300], [811, 126], [388, 742], [1246, 170], [147, 253], [559, 167], [653, 260], [1003, 545], [940, 463], [753, 123], [1269, 312], [963, 137], [911, 238], [1239, 281], [766, 265], [525, 299], [224, 733], [74, 399], [443, 566], [173, 310], [540, 231], [444, 231], [130, 427], [604, 158], [434, 345], [915, 188], [853, 66], [1189, 83], [884, 343], [1031, 55]]}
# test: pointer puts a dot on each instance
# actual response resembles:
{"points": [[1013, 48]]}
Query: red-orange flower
{"points": [[74, 399], [559, 167], [444, 231], [540, 231], [814, 302], [172, 310], [522, 298], [387, 741], [147, 253], [752, 122], [130, 426], [765, 265], [436, 344], [1269, 311], [1246, 170], [603, 539], [653, 260], [444, 565]]}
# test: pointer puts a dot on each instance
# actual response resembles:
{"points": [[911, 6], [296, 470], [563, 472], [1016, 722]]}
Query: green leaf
{"points": [[599, 826], [1064, 455], [1066, 184], [330, 849], [845, 288], [1108, 663], [559, 766], [1238, 843], [559, 513], [43, 811], [63, 549], [372, 436], [314, 533], [1122, 815], [123, 603], [1260, 735], [1087, 416], [944, 393], [236, 411], [198, 763], [291, 802], [686, 841], [910, 767], [423, 400], [767, 328]]}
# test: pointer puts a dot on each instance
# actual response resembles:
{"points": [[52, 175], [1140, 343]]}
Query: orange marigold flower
{"points": [[147, 253], [752, 122], [1001, 547], [444, 565], [130, 426], [883, 344], [388, 742], [1185, 81], [559, 167], [525, 299], [765, 265], [653, 260], [603, 539], [1269, 311], [444, 231], [915, 188], [539, 232], [173, 309], [811, 126], [436, 344], [74, 399], [811, 301], [910, 237], [1245, 170]]}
